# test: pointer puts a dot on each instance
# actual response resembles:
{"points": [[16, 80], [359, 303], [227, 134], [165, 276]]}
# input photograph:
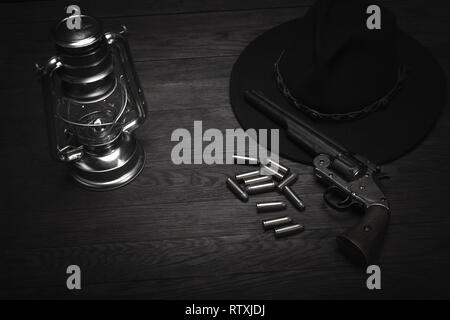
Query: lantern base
{"points": [[112, 169]]}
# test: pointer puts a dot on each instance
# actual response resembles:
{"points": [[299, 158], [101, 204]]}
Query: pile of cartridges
{"points": [[270, 176]]}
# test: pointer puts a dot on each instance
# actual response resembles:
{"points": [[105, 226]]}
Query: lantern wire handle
{"points": [[38, 68], [124, 30]]}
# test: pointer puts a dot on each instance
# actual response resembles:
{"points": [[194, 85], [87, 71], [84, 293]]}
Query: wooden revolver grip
{"points": [[362, 242]]}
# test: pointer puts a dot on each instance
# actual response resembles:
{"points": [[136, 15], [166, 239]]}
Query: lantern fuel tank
{"points": [[93, 102]]}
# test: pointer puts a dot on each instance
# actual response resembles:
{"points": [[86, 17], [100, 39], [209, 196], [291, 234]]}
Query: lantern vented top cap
{"points": [[68, 36]]}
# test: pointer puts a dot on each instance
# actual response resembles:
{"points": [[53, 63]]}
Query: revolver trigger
{"points": [[337, 199]]}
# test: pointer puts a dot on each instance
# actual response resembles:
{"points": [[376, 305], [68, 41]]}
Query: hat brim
{"points": [[382, 136]]}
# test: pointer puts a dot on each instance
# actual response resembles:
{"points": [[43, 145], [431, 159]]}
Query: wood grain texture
{"points": [[36, 11], [210, 258], [176, 231]]}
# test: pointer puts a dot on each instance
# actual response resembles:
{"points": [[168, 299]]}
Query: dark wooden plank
{"points": [[310, 255], [35, 11], [209, 35], [173, 36]]}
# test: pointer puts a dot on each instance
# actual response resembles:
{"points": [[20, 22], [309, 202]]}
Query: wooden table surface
{"points": [[176, 231]]}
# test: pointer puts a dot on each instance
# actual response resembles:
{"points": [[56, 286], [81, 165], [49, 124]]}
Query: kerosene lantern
{"points": [[94, 102]]}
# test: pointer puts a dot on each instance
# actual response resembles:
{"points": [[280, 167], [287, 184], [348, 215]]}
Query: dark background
{"points": [[176, 231]]}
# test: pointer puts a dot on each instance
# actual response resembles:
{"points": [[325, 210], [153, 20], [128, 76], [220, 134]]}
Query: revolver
{"points": [[351, 180]]}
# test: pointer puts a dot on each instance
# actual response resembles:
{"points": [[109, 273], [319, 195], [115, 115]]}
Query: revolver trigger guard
{"points": [[331, 197]]}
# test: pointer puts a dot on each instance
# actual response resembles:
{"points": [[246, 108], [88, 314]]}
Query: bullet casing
{"points": [[293, 198], [277, 222], [277, 166], [247, 175], [270, 206], [236, 189], [287, 181], [268, 171], [261, 188], [257, 180], [237, 159], [288, 230]]}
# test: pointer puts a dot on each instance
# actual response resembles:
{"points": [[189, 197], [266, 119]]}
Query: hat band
{"points": [[314, 113]]}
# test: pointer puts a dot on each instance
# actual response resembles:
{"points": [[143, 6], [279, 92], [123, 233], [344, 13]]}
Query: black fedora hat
{"points": [[376, 91]]}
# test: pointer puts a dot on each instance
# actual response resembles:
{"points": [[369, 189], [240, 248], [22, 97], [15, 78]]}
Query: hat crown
{"points": [[340, 23], [337, 65]]}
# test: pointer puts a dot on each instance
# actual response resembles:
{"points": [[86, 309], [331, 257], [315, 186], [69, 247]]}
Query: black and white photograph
{"points": [[225, 156]]}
